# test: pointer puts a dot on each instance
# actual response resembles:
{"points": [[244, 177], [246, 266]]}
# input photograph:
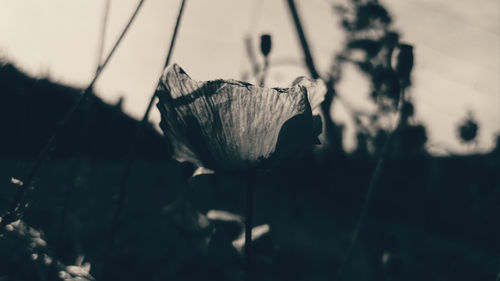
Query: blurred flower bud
{"points": [[405, 62], [265, 44], [407, 110], [468, 129]]}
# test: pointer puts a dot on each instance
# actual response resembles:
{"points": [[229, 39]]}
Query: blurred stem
{"points": [[102, 37], [303, 41], [129, 160], [248, 224], [251, 56], [264, 72], [333, 133], [372, 184]]}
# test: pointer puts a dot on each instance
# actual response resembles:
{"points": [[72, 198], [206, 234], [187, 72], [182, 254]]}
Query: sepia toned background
{"points": [[456, 68]]}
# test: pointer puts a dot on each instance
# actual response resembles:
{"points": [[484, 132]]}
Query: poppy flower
{"points": [[229, 125]]}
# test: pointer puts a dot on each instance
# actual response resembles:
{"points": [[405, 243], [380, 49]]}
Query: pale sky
{"points": [[457, 58]]}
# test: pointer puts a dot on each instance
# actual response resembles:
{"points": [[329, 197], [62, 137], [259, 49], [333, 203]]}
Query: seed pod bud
{"points": [[265, 44], [405, 61]]}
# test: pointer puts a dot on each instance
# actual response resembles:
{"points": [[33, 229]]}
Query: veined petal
{"points": [[316, 91], [232, 125]]}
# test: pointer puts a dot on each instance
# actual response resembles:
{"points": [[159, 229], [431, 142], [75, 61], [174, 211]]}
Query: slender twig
{"points": [[374, 179], [248, 225], [102, 36], [15, 206], [129, 159], [371, 187], [172, 42], [325, 107], [331, 131], [264, 72], [84, 130], [251, 56], [303, 42]]}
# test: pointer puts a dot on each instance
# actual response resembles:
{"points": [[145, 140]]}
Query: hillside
{"points": [[31, 109]]}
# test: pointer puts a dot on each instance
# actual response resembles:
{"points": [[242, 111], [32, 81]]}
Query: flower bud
{"points": [[405, 61], [265, 44]]}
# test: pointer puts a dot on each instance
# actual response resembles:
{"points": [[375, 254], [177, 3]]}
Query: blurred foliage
{"points": [[24, 255], [374, 47]]}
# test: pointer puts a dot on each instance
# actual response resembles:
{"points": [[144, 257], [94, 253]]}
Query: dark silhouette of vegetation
{"points": [[33, 107], [374, 47]]}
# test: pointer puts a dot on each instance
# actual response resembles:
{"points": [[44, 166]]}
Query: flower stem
{"points": [[264, 72], [248, 225], [129, 161]]}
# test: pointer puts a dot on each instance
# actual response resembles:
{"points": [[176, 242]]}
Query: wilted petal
{"points": [[202, 171], [316, 90], [231, 125], [224, 216], [257, 232]]}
